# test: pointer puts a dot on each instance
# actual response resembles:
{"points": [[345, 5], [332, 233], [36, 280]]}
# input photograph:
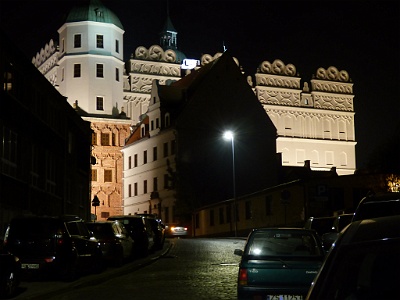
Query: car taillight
{"points": [[242, 277]]}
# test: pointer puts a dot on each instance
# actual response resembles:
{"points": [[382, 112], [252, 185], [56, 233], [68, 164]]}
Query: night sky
{"points": [[361, 37]]}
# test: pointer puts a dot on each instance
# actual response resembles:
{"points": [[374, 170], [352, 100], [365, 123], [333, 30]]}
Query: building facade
{"points": [[44, 159]]}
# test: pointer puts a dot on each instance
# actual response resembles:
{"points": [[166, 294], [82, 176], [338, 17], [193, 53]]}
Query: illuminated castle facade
{"points": [[314, 122]]}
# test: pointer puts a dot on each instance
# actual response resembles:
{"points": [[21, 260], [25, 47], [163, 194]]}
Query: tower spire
{"points": [[168, 37]]}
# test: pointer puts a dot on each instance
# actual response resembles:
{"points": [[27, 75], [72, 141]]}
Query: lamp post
{"points": [[228, 135], [95, 203]]}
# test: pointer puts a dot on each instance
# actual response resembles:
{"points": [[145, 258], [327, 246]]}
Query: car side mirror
{"points": [[238, 252]]}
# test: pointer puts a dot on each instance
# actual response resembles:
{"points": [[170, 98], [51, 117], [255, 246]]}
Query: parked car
{"points": [[363, 263], [60, 246], [158, 228], [339, 224], [173, 230], [115, 241], [320, 224], [278, 263], [378, 205], [139, 229], [10, 273]]}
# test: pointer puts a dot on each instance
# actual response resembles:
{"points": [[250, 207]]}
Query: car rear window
{"points": [[28, 228], [101, 230], [376, 209], [278, 243]]}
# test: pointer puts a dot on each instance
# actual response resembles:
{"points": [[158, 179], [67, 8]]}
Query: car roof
{"points": [[295, 229], [65, 218], [110, 218], [371, 230], [378, 205]]}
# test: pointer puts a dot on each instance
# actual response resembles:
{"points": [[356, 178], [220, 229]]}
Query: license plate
{"points": [[284, 297], [29, 266]]}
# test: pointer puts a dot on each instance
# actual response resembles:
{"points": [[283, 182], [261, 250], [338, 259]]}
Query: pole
{"points": [[234, 186]]}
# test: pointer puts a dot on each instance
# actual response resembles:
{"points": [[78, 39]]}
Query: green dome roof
{"points": [[95, 11]]}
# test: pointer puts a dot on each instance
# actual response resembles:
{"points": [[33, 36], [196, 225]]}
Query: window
{"points": [[173, 145], [77, 70], [167, 122], [166, 180], [117, 46], [129, 162], [107, 175], [62, 45], [77, 41], [94, 138], [135, 190], [211, 217], [157, 123], [116, 74], [268, 206], [165, 149], [99, 70], [94, 175], [62, 74], [105, 139], [154, 153], [221, 215], [155, 184], [145, 187], [228, 213], [129, 190], [152, 125], [99, 103], [9, 144], [114, 139], [166, 214], [145, 157], [248, 210], [99, 41], [105, 214], [135, 160]]}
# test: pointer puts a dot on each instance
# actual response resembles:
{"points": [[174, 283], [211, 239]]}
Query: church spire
{"points": [[168, 37]]}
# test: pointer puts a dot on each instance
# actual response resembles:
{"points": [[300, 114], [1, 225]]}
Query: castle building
{"points": [[122, 102]]}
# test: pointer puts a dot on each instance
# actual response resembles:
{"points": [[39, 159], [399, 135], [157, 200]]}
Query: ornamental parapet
{"points": [[332, 80], [44, 54], [207, 58], [277, 74], [276, 96]]}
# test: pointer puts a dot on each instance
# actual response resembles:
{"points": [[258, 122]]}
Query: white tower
{"points": [[91, 59]]}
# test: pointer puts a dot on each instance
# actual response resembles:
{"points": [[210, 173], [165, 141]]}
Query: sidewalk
{"points": [[45, 289]]}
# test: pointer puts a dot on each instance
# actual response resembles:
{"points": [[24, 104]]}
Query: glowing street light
{"points": [[229, 136]]}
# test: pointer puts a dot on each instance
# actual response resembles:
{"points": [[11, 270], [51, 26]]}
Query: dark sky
{"points": [[361, 37]]}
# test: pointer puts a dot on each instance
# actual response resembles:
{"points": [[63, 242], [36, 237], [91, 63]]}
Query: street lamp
{"points": [[229, 135]]}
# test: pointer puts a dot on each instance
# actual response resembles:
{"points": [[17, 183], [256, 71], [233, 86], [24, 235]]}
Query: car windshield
{"points": [[283, 243]]}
